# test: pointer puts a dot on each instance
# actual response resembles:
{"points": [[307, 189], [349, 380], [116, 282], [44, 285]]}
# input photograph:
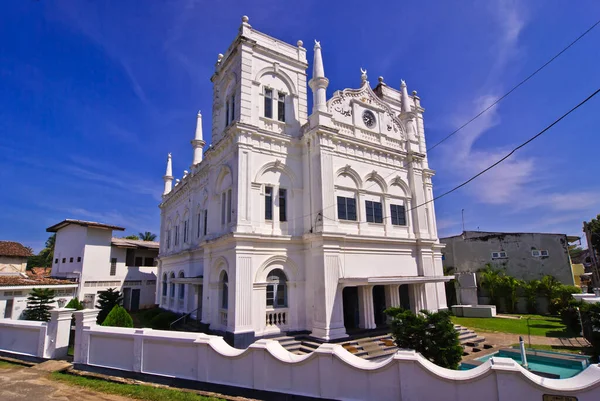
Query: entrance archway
{"points": [[350, 304], [379, 305]]}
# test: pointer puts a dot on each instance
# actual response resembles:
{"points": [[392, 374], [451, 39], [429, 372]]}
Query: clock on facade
{"points": [[369, 118]]}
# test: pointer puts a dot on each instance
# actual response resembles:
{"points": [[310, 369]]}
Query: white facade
{"points": [[87, 253], [294, 222]]}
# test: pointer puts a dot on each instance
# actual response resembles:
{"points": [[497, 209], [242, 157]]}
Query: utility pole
{"points": [[463, 219], [593, 257]]}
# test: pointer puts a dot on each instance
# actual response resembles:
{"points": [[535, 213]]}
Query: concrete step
{"points": [[466, 336], [475, 342]]}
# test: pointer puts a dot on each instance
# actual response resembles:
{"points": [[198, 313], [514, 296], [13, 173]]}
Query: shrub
{"points": [[590, 316], [430, 333], [570, 316], [74, 304], [38, 304], [118, 317], [163, 320], [106, 302], [531, 290]]}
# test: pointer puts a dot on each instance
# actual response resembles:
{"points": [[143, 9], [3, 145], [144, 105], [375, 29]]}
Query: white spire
{"points": [[168, 177], [318, 83], [405, 102], [198, 143]]}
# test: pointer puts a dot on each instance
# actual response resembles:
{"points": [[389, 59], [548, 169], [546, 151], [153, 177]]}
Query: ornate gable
{"points": [[362, 109]]}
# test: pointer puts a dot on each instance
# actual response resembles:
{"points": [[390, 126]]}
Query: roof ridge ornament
{"points": [[363, 76], [317, 44]]}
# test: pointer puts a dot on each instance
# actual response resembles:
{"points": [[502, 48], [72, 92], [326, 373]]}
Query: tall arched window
{"points": [[164, 285], [181, 286], [172, 294], [224, 291], [276, 289]]}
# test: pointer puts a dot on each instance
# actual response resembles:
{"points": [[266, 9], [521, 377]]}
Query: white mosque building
{"points": [[298, 222]]}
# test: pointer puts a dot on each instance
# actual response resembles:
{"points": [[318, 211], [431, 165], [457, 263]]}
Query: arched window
{"points": [[164, 285], [172, 294], [181, 286], [224, 291], [276, 289]]}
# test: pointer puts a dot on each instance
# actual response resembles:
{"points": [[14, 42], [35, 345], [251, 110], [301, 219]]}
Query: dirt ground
{"points": [[24, 384]]}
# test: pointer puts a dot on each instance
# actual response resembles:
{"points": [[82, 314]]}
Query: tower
{"points": [[168, 177], [198, 142]]}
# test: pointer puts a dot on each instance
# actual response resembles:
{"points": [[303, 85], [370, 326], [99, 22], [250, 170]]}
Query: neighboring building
{"points": [[526, 256], [15, 289], [13, 258], [16, 283], [86, 253], [297, 222]]}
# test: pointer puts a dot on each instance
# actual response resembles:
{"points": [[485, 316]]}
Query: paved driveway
{"points": [[24, 384]]}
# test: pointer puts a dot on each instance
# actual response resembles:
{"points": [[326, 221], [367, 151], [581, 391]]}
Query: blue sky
{"points": [[93, 94]]}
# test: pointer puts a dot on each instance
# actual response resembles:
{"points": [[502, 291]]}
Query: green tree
{"points": [[147, 236], [39, 304], [75, 304], [491, 280], [509, 287], [132, 236], [118, 317], [45, 256], [531, 289], [106, 302], [430, 333], [594, 226]]}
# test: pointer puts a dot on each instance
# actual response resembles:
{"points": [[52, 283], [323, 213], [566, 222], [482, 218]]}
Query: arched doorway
{"points": [[350, 304], [379, 305]]}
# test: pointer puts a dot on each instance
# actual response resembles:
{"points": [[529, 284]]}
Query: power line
{"points": [[512, 151], [514, 88]]}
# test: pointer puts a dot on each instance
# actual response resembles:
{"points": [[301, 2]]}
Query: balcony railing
{"points": [[277, 318], [223, 317]]}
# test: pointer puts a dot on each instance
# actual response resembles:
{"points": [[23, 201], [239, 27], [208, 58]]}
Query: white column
{"points": [[59, 330], [392, 295], [83, 319], [366, 308]]}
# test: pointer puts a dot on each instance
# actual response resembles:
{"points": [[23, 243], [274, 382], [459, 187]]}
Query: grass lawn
{"points": [[556, 348], [140, 392], [8, 365], [535, 325]]}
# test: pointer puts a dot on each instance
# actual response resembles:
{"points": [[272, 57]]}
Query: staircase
{"points": [[470, 341], [370, 348], [377, 346]]}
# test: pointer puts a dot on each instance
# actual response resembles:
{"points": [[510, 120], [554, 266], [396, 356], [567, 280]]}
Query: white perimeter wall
{"points": [[329, 372]]}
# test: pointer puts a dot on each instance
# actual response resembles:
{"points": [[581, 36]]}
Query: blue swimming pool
{"points": [[553, 363]]}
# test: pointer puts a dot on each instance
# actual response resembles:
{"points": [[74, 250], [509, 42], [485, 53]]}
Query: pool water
{"points": [[563, 365]]}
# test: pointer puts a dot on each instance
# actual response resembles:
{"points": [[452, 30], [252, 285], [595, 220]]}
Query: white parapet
{"points": [[329, 372]]}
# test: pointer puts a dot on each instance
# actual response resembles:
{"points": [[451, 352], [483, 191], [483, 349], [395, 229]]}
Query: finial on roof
{"points": [[219, 58], [404, 102], [363, 75], [199, 113], [299, 43], [317, 44], [414, 93], [245, 19], [380, 79]]}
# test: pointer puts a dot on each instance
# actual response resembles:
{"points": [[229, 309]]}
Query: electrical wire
{"points": [[515, 87]]}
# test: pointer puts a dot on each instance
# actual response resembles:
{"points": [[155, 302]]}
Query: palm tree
{"points": [[147, 236], [491, 281], [511, 285]]}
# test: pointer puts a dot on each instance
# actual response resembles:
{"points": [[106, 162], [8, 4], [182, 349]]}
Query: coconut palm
{"points": [[491, 281], [147, 236]]}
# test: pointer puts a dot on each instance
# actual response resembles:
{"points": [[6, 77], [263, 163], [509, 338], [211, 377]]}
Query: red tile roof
{"points": [[13, 281], [11, 248]]}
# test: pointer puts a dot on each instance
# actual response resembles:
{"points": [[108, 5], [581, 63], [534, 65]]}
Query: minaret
{"points": [[405, 101], [198, 143], [168, 177], [318, 83]]}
